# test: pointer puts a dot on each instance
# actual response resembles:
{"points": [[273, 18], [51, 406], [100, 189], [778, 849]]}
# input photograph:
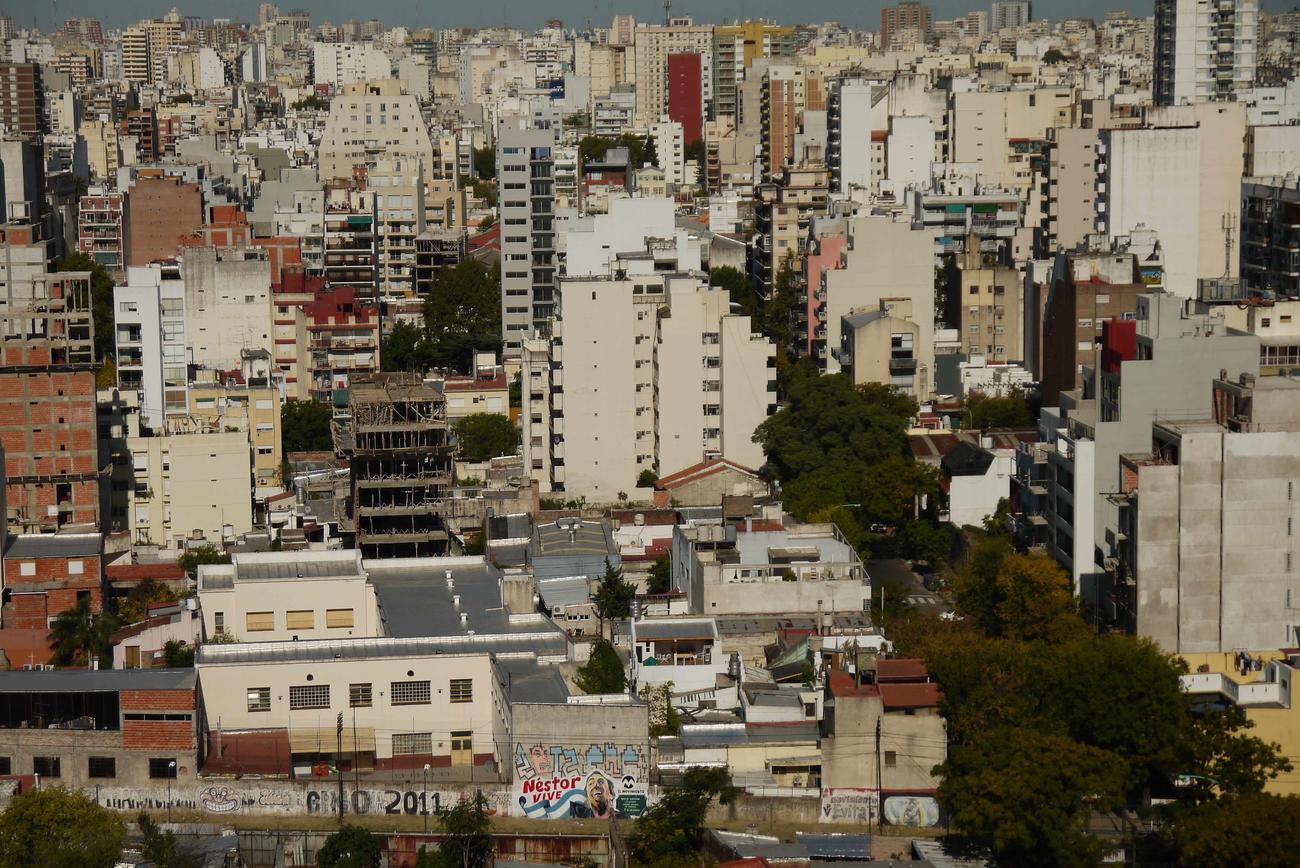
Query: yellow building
{"points": [[1265, 694], [240, 406], [735, 47]]}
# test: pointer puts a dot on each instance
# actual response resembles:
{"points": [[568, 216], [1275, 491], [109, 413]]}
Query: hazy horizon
{"points": [[574, 13]]}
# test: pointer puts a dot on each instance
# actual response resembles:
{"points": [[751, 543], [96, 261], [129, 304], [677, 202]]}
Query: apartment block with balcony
{"points": [[100, 231], [526, 196], [688, 652], [351, 240], [784, 209], [1270, 237], [189, 488], [399, 189], [1204, 50]]}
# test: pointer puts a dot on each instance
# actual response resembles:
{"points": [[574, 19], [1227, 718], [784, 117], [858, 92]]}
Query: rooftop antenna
{"points": [[668, 12]]}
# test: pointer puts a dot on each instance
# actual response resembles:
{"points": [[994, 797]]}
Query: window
{"points": [[891, 758], [259, 699], [76, 568], [309, 696], [359, 695], [1265, 322], [219, 622], [162, 767], [46, 766], [407, 743], [157, 715], [462, 690], [101, 767], [259, 622], [410, 693], [300, 619], [338, 617], [27, 568], [6, 765]]}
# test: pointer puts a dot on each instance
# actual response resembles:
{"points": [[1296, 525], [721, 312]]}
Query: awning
{"points": [[359, 740]]}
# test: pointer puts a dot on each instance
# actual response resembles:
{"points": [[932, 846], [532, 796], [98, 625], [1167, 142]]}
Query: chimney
{"points": [[455, 601], [451, 583], [464, 619]]}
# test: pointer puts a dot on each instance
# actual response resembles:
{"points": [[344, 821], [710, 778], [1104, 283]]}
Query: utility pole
{"points": [[880, 801], [338, 756]]}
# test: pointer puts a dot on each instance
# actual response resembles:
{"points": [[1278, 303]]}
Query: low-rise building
{"points": [[686, 652], [46, 574], [189, 487]]}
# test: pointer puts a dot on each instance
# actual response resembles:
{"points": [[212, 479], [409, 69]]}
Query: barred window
{"points": [[462, 690], [101, 767], [407, 743], [46, 766], [259, 699], [359, 695], [410, 693], [309, 696]]}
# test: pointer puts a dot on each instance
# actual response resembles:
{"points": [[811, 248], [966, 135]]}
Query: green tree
{"points": [[613, 595], [1222, 758], [311, 101], [661, 576], [1012, 595], [106, 376], [101, 300], [192, 559], [467, 837], [135, 605], [52, 827], [925, 540], [406, 348], [646, 478], [1027, 795], [740, 290], [178, 655], [1053, 56], [1257, 830], [486, 435], [664, 717], [161, 848], [779, 313], [672, 832], [698, 152], [603, 672], [485, 162], [895, 487], [305, 427], [462, 313], [350, 847], [1012, 411], [79, 633]]}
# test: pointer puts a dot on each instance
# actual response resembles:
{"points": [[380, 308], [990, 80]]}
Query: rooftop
{"points": [[95, 680], [677, 628], [54, 545], [315, 650], [571, 536]]}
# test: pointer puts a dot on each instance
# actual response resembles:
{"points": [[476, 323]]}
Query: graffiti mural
{"points": [[847, 805], [576, 781], [911, 811]]}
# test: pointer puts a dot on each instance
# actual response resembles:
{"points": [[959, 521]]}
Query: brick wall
{"points": [[155, 735], [156, 700]]}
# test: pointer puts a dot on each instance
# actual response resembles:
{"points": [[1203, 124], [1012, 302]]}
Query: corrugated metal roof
{"points": [[836, 846], [543, 644], [95, 680], [54, 545], [566, 591]]}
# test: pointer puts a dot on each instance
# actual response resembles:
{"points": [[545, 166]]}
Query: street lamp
{"points": [[424, 798], [171, 773]]}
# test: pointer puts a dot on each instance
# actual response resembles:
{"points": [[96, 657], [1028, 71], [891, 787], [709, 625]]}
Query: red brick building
{"points": [[45, 574], [160, 213], [115, 727]]}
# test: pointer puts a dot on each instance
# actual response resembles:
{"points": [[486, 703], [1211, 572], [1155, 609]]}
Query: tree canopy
{"points": [[350, 847], [613, 595], [467, 837], [79, 633], [135, 605], [305, 427], [485, 162], [162, 848], [1258, 830], [603, 672], [192, 559], [671, 832], [660, 580], [462, 313], [740, 290], [486, 435], [52, 827], [1013, 411]]}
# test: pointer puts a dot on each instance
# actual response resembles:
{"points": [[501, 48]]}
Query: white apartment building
{"points": [[659, 371], [152, 355], [670, 150], [1179, 176], [1205, 50], [1009, 13], [653, 44], [526, 202], [399, 188], [190, 487], [343, 63], [369, 121]]}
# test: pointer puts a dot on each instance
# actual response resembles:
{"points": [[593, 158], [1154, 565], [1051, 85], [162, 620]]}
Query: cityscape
{"points": [[664, 437]]}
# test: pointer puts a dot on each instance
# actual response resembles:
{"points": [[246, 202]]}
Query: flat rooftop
{"points": [[95, 680]]}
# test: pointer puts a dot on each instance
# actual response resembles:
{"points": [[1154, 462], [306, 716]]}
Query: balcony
{"points": [[1255, 693]]}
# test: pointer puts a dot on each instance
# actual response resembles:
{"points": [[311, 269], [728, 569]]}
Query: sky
{"points": [[574, 13]]}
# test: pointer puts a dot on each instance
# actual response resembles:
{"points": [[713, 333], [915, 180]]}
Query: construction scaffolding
{"points": [[401, 466]]}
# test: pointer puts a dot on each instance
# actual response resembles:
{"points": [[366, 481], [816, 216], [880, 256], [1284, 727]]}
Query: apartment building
{"points": [[1000, 131], [399, 191], [323, 338], [1068, 188], [906, 24], [158, 214], [351, 240], [526, 197], [1009, 14], [22, 99], [671, 151], [759, 564], [654, 44], [688, 652], [735, 47], [1158, 366], [249, 403], [1204, 51], [788, 91], [189, 487], [1270, 239], [1206, 544], [883, 345], [992, 310], [686, 96], [784, 209], [344, 63], [100, 229], [369, 121]]}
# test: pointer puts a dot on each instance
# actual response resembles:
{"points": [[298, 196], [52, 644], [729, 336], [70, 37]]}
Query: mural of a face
{"points": [[541, 762], [599, 799]]}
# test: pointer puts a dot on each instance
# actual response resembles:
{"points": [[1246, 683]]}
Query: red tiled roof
{"points": [[162, 572], [702, 470], [901, 669], [909, 695]]}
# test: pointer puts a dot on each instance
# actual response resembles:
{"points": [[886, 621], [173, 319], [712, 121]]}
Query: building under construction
{"points": [[396, 441], [47, 390]]}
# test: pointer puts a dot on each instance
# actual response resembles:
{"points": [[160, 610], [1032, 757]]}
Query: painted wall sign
{"points": [[847, 805], [911, 811], [556, 781]]}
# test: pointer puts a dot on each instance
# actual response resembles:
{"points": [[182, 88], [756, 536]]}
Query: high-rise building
{"points": [[686, 95], [1270, 212], [526, 199], [735, 47], [370, 121], [1205, 49], [908, 15], [654, 44], [22, 99], [1009, 13]]}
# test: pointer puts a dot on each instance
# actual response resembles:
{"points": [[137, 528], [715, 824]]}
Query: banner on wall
{"points": [[593, 795]]}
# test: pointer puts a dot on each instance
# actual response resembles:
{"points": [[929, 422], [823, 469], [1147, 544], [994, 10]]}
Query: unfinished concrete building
{"points": [[47, 399], [401, 466]]}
